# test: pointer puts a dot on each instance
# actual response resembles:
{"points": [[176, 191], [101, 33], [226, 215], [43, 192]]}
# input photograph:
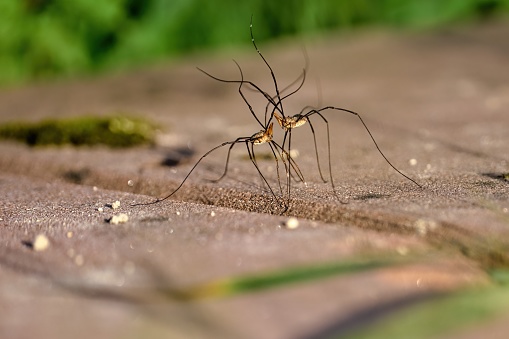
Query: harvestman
{"points": [[264, 136], [283, 154]]}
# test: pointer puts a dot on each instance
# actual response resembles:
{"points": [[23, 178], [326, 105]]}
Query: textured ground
{"points": [[437, 103]]}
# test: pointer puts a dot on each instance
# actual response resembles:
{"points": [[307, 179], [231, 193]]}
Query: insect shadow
{"points": [[264, 136]]}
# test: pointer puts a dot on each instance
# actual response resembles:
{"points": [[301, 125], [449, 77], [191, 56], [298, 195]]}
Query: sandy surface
{"points": [[437, 104]]}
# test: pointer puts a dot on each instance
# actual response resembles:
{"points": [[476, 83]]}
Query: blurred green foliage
{"points": [[441, 317], [116, 131], [47, 38]]}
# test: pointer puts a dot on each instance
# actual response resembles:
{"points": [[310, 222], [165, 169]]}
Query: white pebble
{"points": [[413, 162], [41, 243], [212, 214], [115, 205], [292, 223], [118, 219]]}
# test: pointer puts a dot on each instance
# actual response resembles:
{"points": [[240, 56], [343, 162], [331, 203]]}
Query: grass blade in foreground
{"points": [[253, 283]]}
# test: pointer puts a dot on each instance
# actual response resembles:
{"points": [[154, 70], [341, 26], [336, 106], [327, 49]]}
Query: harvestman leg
{"points": [[263, 136], [319, 112]]}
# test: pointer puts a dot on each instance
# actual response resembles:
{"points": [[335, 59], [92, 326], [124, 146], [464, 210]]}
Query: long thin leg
{"points": [[299, 174], [253, 160], [274, 146], [280, 103], [245, 100], [370, 135], [265, 94], [288, 179], [284, 152], [273, 98], [301, 76], [328, 149], [316, 148], [284, 138], [284, 97], [304, 72], [191, 171], [226, 165], [277, 167], [297, 170], [238, 81], [291, 161], [284, 89]]}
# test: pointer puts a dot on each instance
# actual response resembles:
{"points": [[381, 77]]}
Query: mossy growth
{"points": [[117, 131]]}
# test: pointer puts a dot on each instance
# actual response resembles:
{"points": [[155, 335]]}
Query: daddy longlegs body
{"points": [[264, 136], [288, 123]]}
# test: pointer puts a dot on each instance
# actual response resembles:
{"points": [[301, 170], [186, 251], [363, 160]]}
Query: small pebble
{"points": [[118, 219], [413, 162], [130, 183], [292, 223], [100, 209], [41, 243], [212, 214], [115, 205], [70, 234]]}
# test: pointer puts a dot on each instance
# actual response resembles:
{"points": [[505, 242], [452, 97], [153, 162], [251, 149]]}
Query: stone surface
{"points": [[435, 102]]}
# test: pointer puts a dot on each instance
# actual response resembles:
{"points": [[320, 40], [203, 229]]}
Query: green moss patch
{"points": [[115, 131]]}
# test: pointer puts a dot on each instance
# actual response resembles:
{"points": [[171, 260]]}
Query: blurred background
{"points": [[48, 39]]}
